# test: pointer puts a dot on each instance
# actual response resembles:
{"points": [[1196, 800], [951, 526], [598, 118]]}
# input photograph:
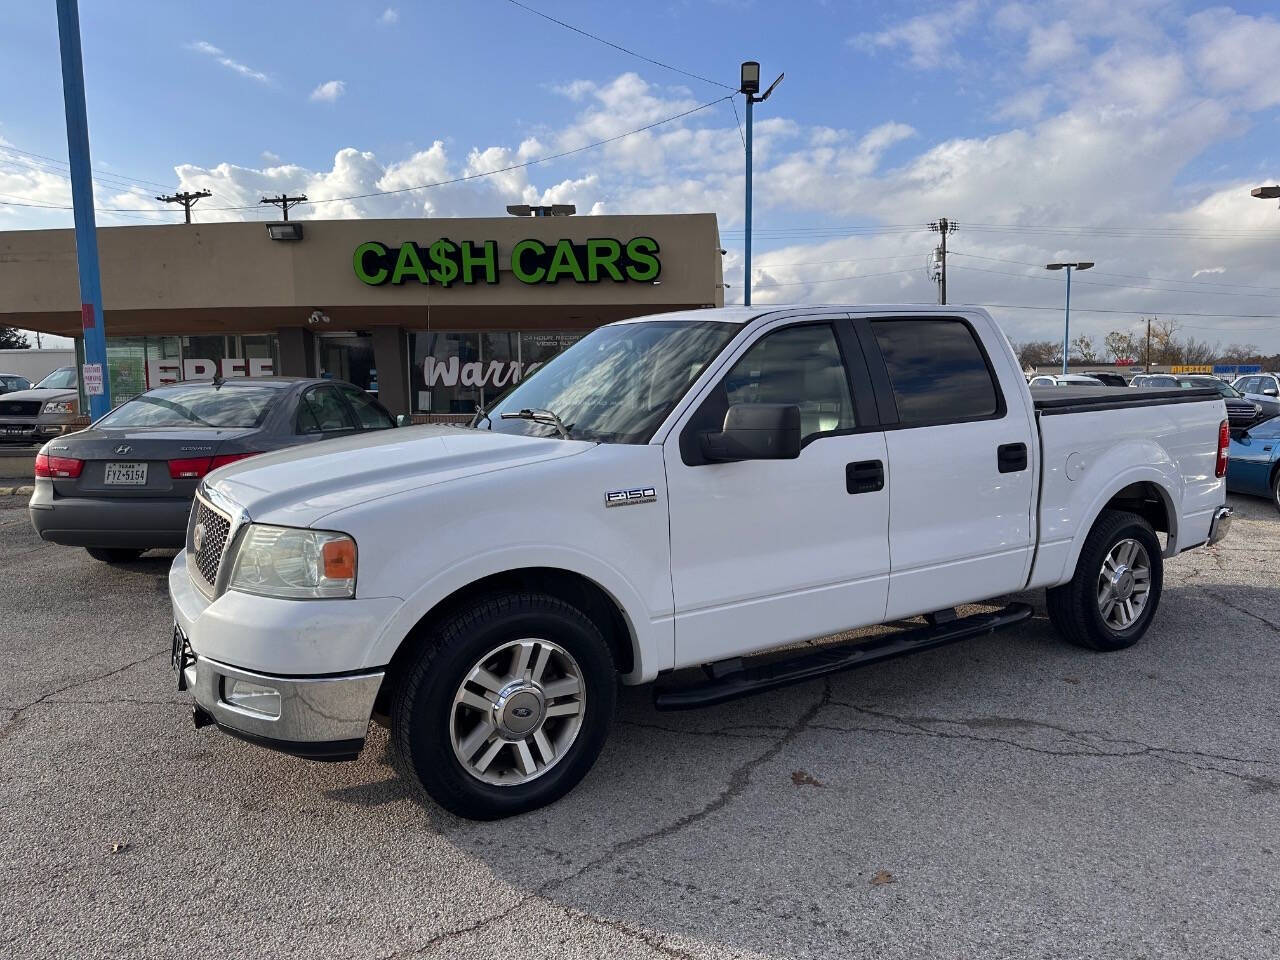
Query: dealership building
{"points": [[435, 316]]}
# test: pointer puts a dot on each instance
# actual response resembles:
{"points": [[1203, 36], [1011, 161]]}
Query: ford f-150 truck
{"points": [[675, 491]]}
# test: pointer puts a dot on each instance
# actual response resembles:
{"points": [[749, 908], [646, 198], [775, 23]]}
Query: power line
{"points": [[618, 47], [1126, 276], [1122, 286], [63, 163], [861, 276], [188, 199], [733, 103]]}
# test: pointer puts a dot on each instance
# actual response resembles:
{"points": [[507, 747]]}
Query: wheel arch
{"points": [[575, 588], [1148, 496]]}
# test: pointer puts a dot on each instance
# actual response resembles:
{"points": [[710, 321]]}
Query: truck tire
{"points": [[1109, 602], [1275, 489], [114, 554], [505, 706]]}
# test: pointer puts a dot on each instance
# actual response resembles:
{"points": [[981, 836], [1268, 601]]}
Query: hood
{"points": [[298, 486], [44, 393]]}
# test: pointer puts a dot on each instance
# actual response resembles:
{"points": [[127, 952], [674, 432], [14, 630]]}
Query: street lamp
{"points": [[1066, 330], [749, 88], [1266, 193]]}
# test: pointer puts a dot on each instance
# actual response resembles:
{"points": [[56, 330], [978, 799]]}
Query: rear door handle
{"points": [[865, 476], [1011, 457]]}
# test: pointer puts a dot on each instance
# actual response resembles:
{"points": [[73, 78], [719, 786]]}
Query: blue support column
{"points": [[746, 281], [95, 340]]}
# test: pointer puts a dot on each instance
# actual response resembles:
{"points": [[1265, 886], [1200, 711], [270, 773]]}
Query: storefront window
{"points": [[453, 371], [202, 357], [261, 353], [127, 367]]}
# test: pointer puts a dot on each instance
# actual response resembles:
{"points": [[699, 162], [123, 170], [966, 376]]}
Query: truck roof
{"points": [[741, 314]]}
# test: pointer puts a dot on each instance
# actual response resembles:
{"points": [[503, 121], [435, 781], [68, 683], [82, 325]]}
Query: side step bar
{"points": [[732, 679]]}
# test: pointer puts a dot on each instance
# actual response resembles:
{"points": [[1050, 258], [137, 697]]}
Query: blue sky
{"points": [[1132, 129]]}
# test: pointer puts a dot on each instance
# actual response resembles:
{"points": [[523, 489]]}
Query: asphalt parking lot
{"points": [[1006, 797]]}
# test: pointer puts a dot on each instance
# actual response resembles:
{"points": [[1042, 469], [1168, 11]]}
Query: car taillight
{"points": [[57, 467], [223, 459], [1224, 448], [196, 467], [193, 468]]}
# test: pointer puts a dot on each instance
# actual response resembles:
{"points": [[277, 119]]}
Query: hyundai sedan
{"points": [[125, 484]]}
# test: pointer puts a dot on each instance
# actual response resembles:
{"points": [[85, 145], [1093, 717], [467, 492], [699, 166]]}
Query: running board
{"points": [[729, 680]]}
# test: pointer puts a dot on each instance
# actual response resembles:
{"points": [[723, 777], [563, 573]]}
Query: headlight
{"points": [[60, 406], [294, 564]]}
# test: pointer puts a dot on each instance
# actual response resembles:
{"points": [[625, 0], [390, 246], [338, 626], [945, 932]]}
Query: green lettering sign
{"points": [[444, 262]]}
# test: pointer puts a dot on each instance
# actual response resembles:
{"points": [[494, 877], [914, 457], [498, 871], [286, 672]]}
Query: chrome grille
{"points": [[215, 527]]}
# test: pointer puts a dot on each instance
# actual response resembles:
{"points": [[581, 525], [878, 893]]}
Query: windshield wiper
{"points": [[481, 414], [176, 408], [540, 415]]}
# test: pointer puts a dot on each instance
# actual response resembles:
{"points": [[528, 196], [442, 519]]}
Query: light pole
{"points": [[1266, 193], [1066, 329], [749, 87]]}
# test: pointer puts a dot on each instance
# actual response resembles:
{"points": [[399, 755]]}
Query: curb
{"points": [[22, 491]]}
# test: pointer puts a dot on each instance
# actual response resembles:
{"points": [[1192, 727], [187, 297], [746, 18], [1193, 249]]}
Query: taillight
{"points": [[192, 468], [1224, 448], [58, 467], [223, 459], [196, 467]]}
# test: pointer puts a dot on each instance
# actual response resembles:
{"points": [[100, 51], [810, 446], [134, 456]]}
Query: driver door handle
{"points": [[864, 476]]}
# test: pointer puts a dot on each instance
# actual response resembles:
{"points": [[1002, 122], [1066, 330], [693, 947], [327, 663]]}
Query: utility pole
{"points": [[749, 87], [284, 202], [188, 200], [1148, 344], [94, 379], [942, 227]]}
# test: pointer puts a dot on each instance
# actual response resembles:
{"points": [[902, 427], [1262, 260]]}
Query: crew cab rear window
{"points": [[938, 372]]}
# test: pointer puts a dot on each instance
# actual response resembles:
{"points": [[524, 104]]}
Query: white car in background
{"points": [[1065, 380]]}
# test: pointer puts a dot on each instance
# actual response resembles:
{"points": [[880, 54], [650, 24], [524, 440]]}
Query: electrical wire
{"points": [[1118, 286], [64, 163], [803, 283], [1123, 276], [741, 136], [619, 47]]}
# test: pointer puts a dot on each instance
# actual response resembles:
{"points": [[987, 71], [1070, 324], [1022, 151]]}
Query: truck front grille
{"points": [[20, 408], [207, 540]]}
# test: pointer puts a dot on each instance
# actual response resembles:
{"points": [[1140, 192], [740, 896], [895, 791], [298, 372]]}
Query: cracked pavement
{"points": [[1011, 796]]}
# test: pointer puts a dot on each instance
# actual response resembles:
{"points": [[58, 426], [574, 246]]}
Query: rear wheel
{"points": [[1109, 602], [114, 554], [1275, 489], [505, 707]]}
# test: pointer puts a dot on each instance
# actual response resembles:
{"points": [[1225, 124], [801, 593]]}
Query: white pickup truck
{"points": [[673, 491]]}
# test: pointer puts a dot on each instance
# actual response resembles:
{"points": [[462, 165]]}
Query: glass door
{"points": [[347, 356]]}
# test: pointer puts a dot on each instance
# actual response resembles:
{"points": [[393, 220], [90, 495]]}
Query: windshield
{"points": [[64, 378], [618, 383], [1224, 389], [196, 405], [1267, 430]]}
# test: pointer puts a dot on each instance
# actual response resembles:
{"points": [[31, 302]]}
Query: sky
{"points": [[1126, 132]]}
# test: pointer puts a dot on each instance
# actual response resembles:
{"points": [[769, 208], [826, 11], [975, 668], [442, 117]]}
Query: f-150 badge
{"points": [[625, 498]]}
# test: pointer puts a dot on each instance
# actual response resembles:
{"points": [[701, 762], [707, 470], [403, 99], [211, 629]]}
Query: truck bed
{"points": [[1050, 401]]}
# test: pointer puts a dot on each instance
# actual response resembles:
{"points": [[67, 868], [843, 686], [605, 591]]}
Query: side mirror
{"points": [[1271, 392], [755, 431], [404, 420]]}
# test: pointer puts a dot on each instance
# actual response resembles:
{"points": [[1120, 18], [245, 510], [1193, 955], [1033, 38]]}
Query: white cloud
{"points": [[389, 16], [209, 50], [928, 37], [1048, 46], [1237, 54], [329, 91]]}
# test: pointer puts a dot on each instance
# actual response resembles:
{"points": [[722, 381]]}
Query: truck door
{"points": [[962, 452], [766, 552]]}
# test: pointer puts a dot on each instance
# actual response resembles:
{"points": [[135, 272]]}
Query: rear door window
{"points": [[369, 412], [938, 371], [321, 410]]}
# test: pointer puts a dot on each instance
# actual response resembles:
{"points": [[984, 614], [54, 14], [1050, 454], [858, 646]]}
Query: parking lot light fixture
{"points": [[1066, 329], [1266, 193], [749, 87]]}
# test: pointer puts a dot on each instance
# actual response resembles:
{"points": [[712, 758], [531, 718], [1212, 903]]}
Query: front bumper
{"points": [[321, 718], [1221, 524], [107, 522], [28, 431]]}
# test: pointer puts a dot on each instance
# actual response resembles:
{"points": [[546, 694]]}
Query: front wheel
{"points": [[505, 707], [1275, 490], [1111, 599]]}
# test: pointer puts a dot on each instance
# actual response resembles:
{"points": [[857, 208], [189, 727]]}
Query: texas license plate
{"points": [[126, 474]]}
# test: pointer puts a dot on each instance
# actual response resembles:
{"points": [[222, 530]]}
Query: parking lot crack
{"points": [[20, 712], [1245, 610]]}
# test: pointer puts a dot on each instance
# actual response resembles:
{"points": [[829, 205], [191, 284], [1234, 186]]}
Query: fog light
{"points": [[251, 696]]}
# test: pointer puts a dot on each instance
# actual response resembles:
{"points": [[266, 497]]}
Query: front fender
{"points": [[652, 638]]}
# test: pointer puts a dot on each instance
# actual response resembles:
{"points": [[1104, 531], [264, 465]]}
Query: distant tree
{"points": [[1120, 345], [1039, 353], [1240, 353], [1192, 350], [1083, 348], [13, 339], [1165, 347]]}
